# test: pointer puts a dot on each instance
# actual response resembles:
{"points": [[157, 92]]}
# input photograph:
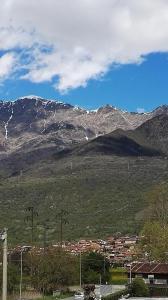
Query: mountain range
{"points": [[98, 165], [32, 122]]}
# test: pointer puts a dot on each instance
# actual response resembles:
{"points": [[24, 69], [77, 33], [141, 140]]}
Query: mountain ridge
{"points": [[107, 105], [32, 122]]}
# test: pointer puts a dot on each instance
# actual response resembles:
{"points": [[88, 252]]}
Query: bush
{"points": [[116, 295], [54, 270], [93, 265], [139, 288]]}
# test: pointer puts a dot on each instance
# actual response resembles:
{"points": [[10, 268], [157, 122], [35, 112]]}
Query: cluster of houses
{"points": [[119, 250]]}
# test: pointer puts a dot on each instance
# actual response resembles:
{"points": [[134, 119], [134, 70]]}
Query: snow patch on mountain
{"points": [[7, 123]]}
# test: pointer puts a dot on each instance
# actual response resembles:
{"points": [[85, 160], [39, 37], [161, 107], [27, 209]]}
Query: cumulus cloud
{"points": [[7, 65], [68, 42]]}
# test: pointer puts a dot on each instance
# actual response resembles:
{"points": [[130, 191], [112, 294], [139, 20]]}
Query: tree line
{"points": [[55, 269], [154, 235]]}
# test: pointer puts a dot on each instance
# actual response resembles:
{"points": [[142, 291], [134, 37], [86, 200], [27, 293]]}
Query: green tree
{"points": [[95, 265], [154, 235], [158, 204], [139, 288], [154, 241], [54, 269]]}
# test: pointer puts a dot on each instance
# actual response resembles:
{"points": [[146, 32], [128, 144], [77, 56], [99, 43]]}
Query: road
{"points": [[110, 289], [105, 290]]}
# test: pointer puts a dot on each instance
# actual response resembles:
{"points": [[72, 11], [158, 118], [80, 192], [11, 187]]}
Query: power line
{"points": [[63, 220], [30, 217]]}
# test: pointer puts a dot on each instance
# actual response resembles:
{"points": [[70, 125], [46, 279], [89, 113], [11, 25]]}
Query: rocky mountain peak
{"points": [[163, 109], [107, 108], [37, 101]]}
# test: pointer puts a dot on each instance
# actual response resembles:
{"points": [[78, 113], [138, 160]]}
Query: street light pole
{"points": [[130, 277], [4, 281], [80, 269], [21, 273]]}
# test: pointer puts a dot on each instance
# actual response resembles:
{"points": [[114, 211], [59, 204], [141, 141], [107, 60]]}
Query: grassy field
{"points": [[118, 276]]}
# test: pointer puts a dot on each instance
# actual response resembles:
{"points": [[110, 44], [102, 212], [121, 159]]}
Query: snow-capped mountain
{"points": [[32, 122]]}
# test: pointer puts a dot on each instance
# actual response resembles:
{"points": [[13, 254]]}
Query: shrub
{"points": [[116, 295], [139, 288]]}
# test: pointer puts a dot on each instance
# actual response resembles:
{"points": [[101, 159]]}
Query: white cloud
{"points": [[140, 110], [84, 38], [7, 65]]}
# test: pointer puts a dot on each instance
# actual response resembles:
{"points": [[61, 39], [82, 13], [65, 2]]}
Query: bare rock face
{"points": [[32, 123]]}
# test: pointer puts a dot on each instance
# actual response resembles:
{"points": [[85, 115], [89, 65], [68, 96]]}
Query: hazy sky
{"points": [[86, 52]]}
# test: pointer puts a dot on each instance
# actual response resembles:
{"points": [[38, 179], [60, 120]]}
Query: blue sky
{"points": [[87, 53], [128, 87]]}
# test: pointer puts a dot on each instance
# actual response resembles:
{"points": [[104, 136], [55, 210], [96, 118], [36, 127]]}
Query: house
{"points": [[152, 273], [130, 241]]}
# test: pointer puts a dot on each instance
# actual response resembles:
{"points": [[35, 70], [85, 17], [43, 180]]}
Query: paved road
{"points": [[105, 290], [110, 289]]}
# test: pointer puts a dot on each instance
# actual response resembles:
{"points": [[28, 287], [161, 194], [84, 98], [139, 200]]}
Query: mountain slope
{"points": [[118, 143], [138, 142], [102, 194], [101, 181], [155, 132]]}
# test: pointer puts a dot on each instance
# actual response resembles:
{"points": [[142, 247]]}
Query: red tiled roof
{"points": [[150, 268]]}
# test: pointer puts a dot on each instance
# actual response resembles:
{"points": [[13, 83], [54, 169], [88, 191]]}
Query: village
{"points": [[118, 250]]}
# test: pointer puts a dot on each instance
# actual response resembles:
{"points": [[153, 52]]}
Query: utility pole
{"points": [[3, 237], [63, 220], [45, 227], [104, 260], [45, 238], [104, 265], [30, 218]]}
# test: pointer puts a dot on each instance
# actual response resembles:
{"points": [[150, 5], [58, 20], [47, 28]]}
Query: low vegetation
{"points": [[119, 276], [139, 288], [54, 269], [102, 195], [116, 295]]}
